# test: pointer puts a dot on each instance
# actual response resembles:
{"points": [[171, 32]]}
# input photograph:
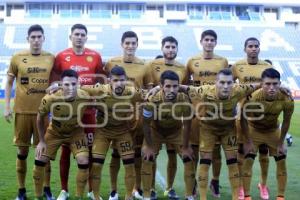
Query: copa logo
{"points": [[35, 91], [39, 80], [36, 70]]}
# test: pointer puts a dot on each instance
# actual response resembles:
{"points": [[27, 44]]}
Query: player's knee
{"points": [[231, 161], [82, 158], [279, 158], [204, 161], [98, 160], [23, 151], [241, 149], [263, 149], [128, 160], [22, 157], [115, 154], [250, 156], [40, 163], [186, 160], [137, 154]]}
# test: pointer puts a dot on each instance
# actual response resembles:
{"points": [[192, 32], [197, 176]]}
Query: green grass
{"points": [[8, 184]]}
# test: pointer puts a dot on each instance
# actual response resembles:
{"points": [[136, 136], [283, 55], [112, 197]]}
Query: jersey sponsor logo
{"points": [[207, 73], [36, 70], [24, 80], [35, 91], [89, 58], [39, 80], [85, 80], [68, 58], [251, 79], [79, 68]]}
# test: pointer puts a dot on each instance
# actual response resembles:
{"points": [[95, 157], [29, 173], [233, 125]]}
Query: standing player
{"points": [[64, 106], [249, 70], [31, 70], [215, 107], [203, 69], [172, 126], [156, 68], [117, 97], [136, 71], [269, 102], [88, 64]]}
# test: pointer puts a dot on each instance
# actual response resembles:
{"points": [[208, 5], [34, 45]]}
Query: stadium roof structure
{"points": [[247, 2]]}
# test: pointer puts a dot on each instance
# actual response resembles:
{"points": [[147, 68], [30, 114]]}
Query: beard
{"points": [[166, 56]]}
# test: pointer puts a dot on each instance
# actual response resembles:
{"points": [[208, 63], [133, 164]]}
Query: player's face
{"points": [[252, 49], [78, 38], [118, 83], [129, 46], [69, 85], [224, 85], [170, 89], [169, 50], [36, 39], [270, 86], [208, 43]]}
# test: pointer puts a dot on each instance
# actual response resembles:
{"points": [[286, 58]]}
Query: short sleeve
{"points": [[44, 107], [57, 64], [13, 67]]}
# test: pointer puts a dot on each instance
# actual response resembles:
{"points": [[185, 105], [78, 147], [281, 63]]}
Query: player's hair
{"points": [[159, 56], [69, 73], [270, 73], [269, 61], [79, 26], [226, 72], [170, 75], [250, 39], [117, 71], [129, 34], [35, 27], [169, 39], [209, 32]]}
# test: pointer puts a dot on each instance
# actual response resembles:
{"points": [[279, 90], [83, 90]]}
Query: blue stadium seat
{"points": [[65, 13], [196, 16], [214, 15], [254, 16], [105, 14], [124, 14], [226, 15]]}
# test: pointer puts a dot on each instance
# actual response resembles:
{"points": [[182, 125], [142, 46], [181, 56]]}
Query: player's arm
{"points": [[148, 153], [97, 90], [287, 116], [8, 90], [55, 76]]}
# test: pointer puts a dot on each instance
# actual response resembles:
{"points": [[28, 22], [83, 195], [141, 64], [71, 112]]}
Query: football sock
{"points": [[114, 168], [240, 158], [146, 174], [38, 177], [233, 173], [264, 164], [64, 166], [203, 177], [47, 174], [153, 175], [247, 172], [129, 176], [189, 176], [171, 168], [137, 166], [21, 168], [281, 174], [216, 162], [81, 179], [96, 172]]}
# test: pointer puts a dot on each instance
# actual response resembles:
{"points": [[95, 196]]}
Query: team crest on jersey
{"points": [[241, 69], [89, 58], [197, 64]]}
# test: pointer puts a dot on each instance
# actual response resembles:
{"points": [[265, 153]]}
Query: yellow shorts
{"points": [[195, 131], [25, 128], [77, 142], [271, 139], [174, 141], [239, 134], [123, 143], [209, 138]]}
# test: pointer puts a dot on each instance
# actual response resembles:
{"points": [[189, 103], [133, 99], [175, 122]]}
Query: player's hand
{"points": [[187, 152], [248, 147], [281, 149], [40, 149], [8, 114], [52, 88], [148, 153], [152, 91]]}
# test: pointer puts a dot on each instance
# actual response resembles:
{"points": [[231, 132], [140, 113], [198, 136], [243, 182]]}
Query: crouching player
{"points": [[261, 127], [170, 125], [64, 106]]}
